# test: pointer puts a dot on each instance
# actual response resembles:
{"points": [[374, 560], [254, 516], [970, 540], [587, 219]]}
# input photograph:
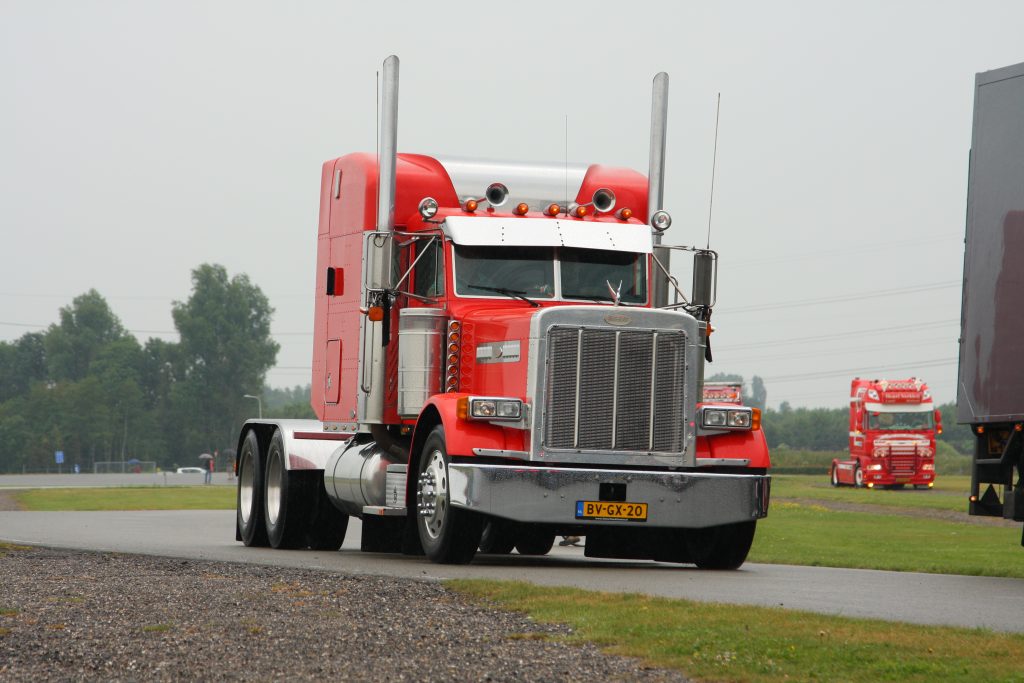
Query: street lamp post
{"points": [[259, 403]]}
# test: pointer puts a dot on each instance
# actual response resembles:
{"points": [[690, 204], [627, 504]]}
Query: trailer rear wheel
{"points": [[249, 501], [285, 499], [720, 547], [449, 535]]}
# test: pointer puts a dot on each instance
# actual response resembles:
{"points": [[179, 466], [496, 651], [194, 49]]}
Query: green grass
{"points": [[950, 492], [813, 535], [716, 642], [793, 461], [128, 498]]}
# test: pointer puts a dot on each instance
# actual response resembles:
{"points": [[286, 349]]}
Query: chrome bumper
{"points": [[548, 495]]}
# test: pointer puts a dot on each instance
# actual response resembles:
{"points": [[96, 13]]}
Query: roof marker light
{"points": [[579, 211], [522, 208], [624, 214], [470, 205], [553, 209]]}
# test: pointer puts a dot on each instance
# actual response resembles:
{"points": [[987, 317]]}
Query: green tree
{"points": [[84, 328], [224, 353], [22, 363]]}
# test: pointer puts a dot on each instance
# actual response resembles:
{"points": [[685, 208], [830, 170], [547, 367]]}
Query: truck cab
{"points": [[892, 435]]}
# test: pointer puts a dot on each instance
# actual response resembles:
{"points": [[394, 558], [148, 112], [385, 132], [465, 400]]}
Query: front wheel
{"points": [[449, 535], [834, 476], [721, 547], [858, 477], [497, 538], [252, 530], [534, 541]]}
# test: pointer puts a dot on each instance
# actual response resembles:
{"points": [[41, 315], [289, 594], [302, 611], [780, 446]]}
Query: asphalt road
{"points": [[896, 596]]}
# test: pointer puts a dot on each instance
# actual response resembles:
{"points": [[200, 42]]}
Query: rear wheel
{"points": [[720, 547], [285, 499], [497, 538], [449, 535], [249, 502], [533, 540], [327, 525]]}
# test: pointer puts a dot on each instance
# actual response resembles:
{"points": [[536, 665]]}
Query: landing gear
{"points": [[449, 535]]}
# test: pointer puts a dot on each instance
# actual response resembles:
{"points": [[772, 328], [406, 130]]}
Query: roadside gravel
{"points": [[72, 615]]}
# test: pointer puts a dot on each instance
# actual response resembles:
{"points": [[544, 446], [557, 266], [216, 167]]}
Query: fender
{"points": [[462, 436], [751, 445]]}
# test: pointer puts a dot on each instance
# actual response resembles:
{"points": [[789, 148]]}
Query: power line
{"points": [[838, 335], [844, 297], [836, 352], [861, 371], [917, 242]]}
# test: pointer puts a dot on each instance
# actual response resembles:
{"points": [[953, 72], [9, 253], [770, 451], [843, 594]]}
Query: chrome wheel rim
{"points": [[246, 482], [432, 494], [274, 476], [858, 477]]}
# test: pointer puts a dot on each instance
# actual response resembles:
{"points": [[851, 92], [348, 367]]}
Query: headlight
{"points": [[727, 418], [714, 417], [495, 408], [428, 208], [928, 467], [874, 467], [660, 221]]}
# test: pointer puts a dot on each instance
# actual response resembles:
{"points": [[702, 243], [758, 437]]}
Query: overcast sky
{"points": [[139, 140]]}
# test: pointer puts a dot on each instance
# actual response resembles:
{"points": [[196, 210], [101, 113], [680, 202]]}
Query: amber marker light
{"points": [[522, 208], [624, 214], [470, 205], [579, 211], [375, 314], [462, 408], [755, 419], [552, 210]]}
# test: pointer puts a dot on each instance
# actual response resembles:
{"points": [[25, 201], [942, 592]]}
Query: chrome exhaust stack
{"points": [[378, 251], [656, 182]]}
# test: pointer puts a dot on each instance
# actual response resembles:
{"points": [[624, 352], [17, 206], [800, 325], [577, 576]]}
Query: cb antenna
{"points": [[714, 163]]}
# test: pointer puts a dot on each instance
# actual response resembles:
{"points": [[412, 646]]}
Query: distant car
{"points": [[191, 470]]}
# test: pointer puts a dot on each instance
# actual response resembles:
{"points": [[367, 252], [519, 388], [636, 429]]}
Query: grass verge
{"points": [[717, 642], [813, 535], [128, 498], [950, 492]]}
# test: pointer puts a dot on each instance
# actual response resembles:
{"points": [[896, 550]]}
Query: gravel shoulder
{"points": [[7, 501], [74, 615]]}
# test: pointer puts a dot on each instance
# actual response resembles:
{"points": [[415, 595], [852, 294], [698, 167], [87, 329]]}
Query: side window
{"points": [[428, 278]]}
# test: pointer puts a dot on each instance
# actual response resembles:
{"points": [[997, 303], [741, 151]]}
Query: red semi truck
{"points": [[990, 390], [723, 392], [494, 366], [892, 435]]}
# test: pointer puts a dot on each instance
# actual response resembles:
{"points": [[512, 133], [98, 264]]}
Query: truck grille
{"points": [[611, 389], [902, 465]]}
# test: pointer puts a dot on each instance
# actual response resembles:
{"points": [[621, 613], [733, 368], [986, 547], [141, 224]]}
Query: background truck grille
{"points": [[610, 389], [902, 465]]}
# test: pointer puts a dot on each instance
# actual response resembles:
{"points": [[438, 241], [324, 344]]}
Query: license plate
{"points": [[601, 509]]}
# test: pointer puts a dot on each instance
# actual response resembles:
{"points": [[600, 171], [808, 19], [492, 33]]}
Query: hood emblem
{"points": [[618, 319]]}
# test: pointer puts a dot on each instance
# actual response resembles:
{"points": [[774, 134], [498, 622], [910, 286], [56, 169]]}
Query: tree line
{"points": [[88, 388]]}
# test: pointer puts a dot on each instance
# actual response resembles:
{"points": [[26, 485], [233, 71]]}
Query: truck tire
{"points": [[532, 540], [327, 524], [834, 477], [449, 535], [858, 477], [497, 538], [720, 547], [285, 499], [249, 501]]}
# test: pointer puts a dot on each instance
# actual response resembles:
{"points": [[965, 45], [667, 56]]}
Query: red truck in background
{"points": [[892, 435], [723, 392], [493, 367]]}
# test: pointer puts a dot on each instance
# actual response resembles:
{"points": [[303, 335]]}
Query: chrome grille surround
{"points": [[613, 385]]}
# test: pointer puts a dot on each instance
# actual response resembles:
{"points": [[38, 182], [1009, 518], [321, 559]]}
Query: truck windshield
{"points": [[524, 271], [530, 271], [895, 421], [586, 274]]}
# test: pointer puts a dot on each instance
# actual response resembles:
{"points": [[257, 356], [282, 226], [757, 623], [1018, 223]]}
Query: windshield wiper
{"points": [[513, 293], [589, 297]]}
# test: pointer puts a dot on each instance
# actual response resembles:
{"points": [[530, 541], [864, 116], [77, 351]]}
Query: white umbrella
{"points": [[206, 456]]}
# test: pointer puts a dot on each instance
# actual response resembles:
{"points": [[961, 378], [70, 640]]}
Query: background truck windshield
{"points": [[900, 420], [530, 271]]}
